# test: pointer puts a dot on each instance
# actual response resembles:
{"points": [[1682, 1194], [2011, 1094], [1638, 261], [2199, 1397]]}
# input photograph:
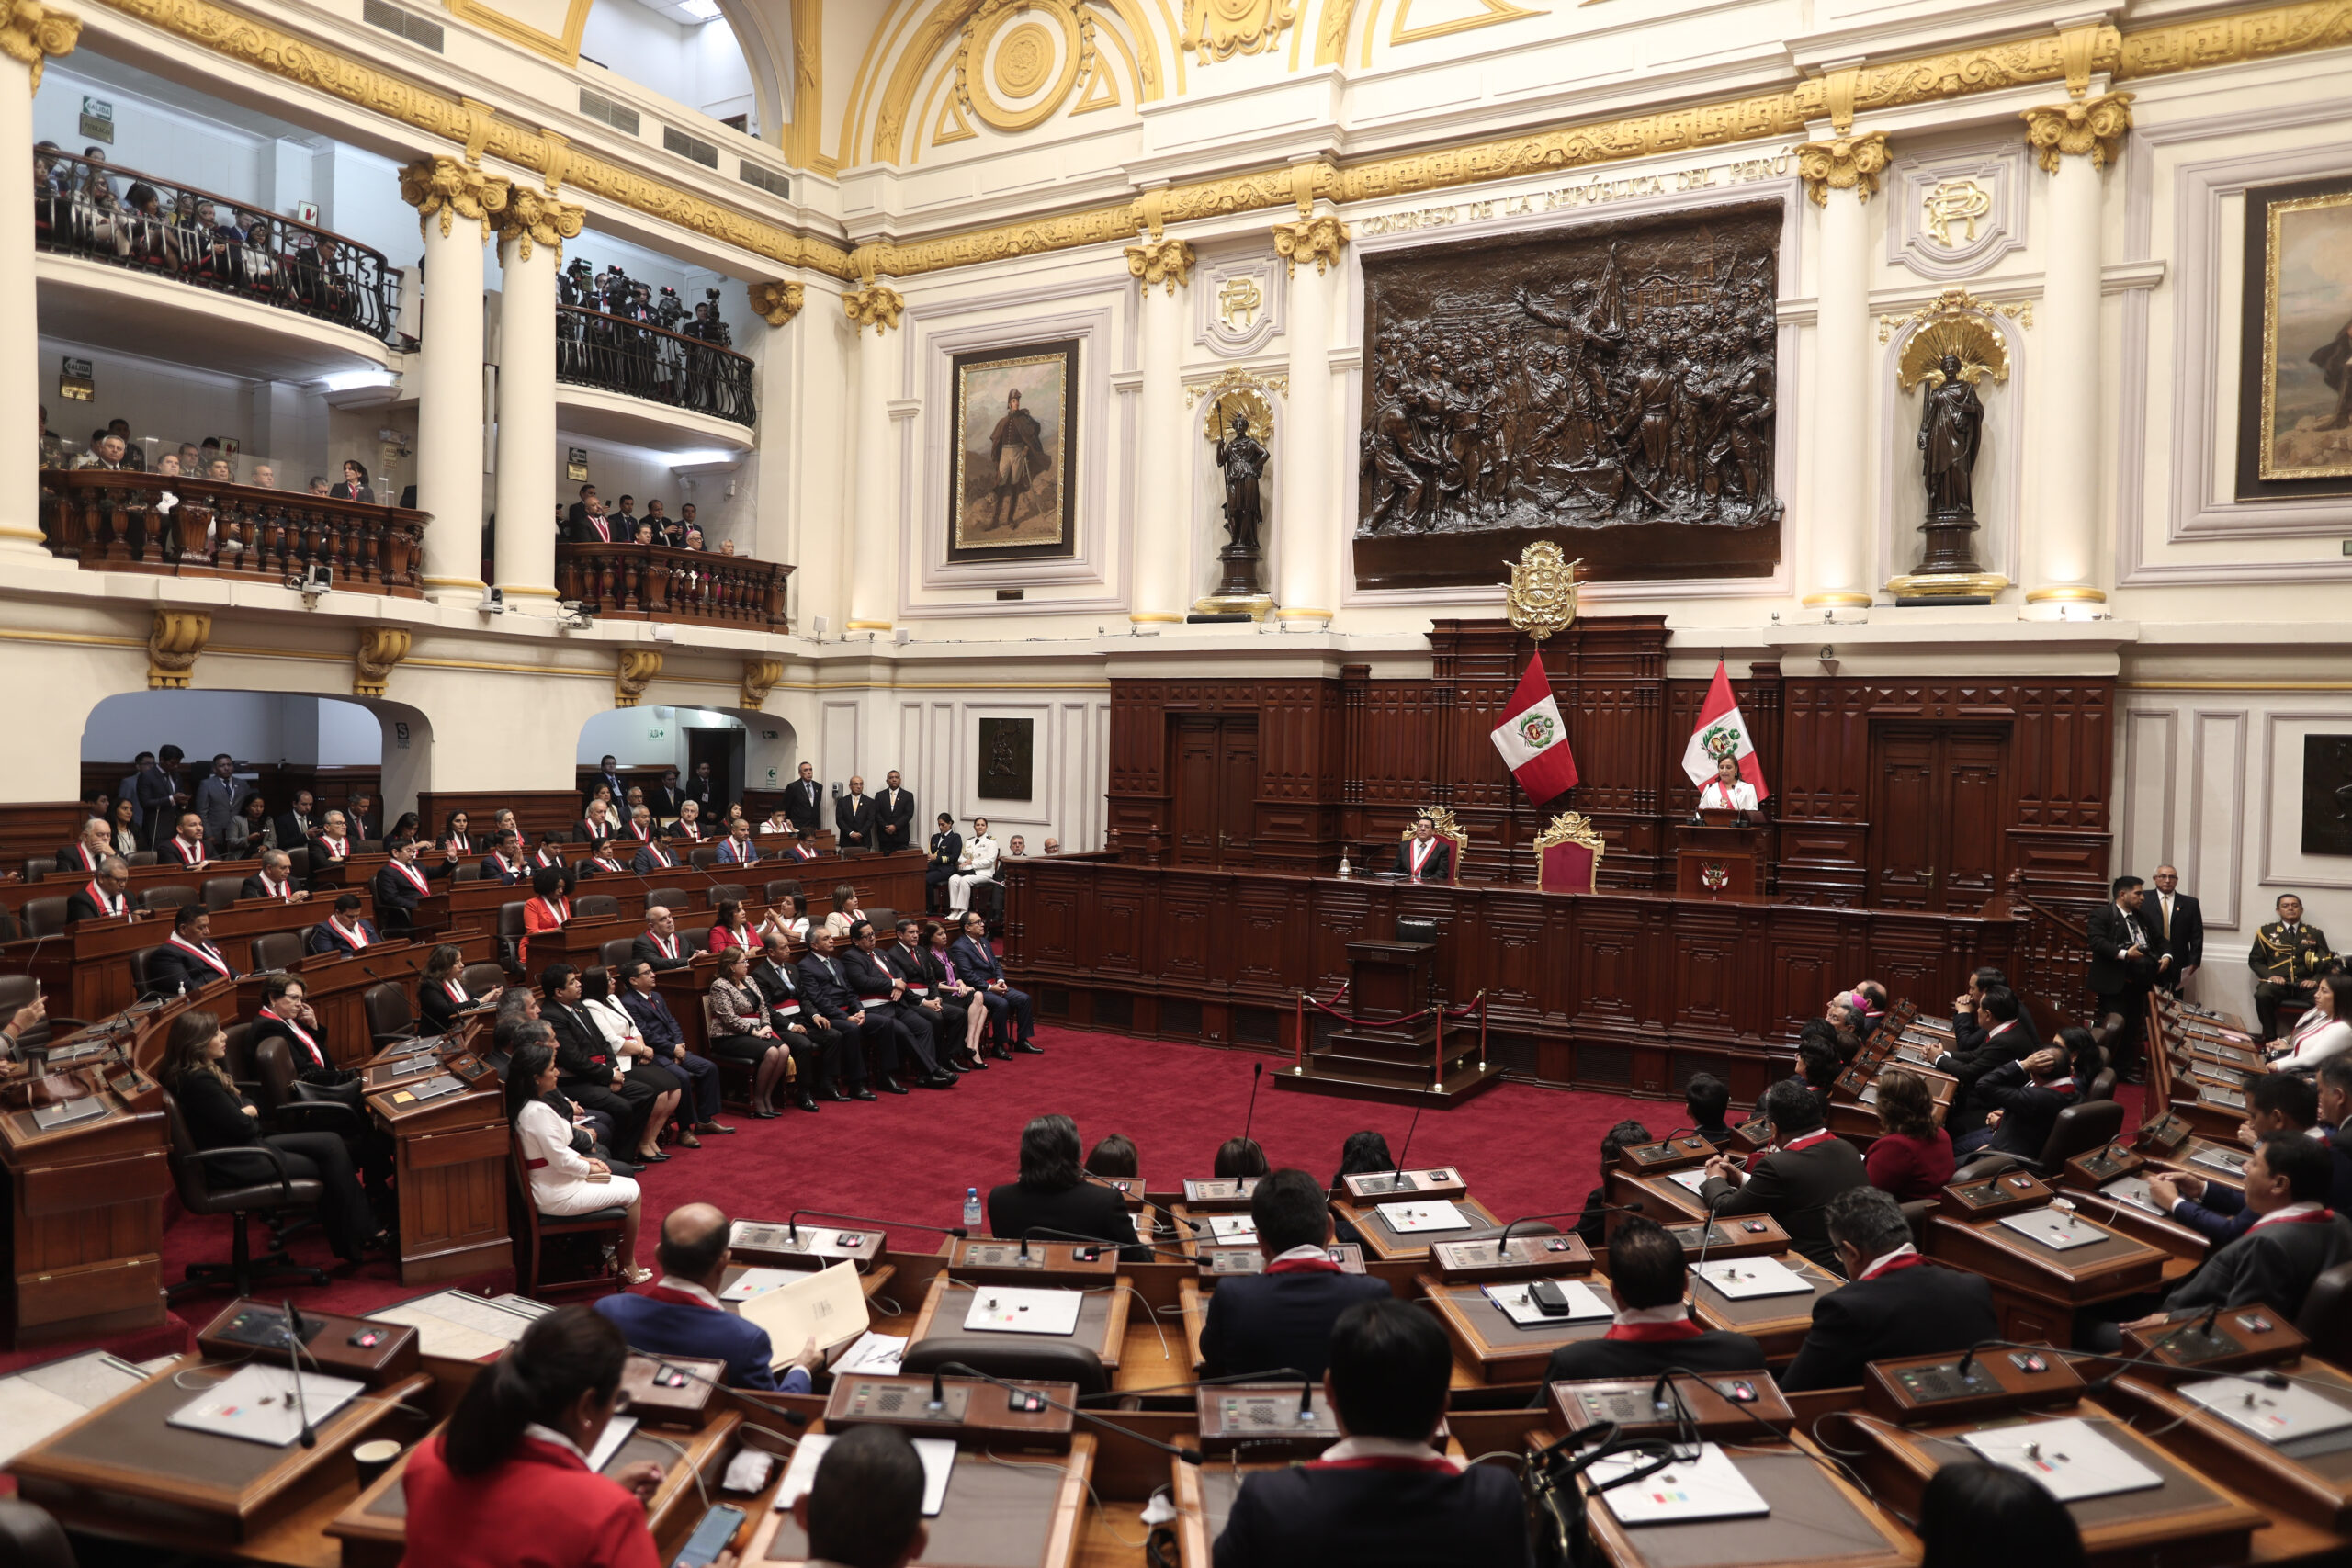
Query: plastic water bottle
{"points": [[971, 1208]]}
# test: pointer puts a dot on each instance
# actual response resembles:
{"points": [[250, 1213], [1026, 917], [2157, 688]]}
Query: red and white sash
{"points": [[204, 954], [356, 937], [505, 872], [693, 831], [336, 847], [644, 836], [274, 890], [456, 993], [667, 946], [558, 911], [1818, 1136], [455, 847], [1421, 852], [1318, 1265], [180, 848], [1903, 1258], [2306, 1213], [661, 856], [1653, 1332], [89, 861], [107, 903], [416, 878], [318, 1057]]}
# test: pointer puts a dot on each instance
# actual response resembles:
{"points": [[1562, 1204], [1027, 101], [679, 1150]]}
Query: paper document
{"points": [[2229, 1161], [1234, 1230], [1707, 1487], [258, 1404], [1433, 1214], [1690, 1180], [1583, 1305], [608, 1442], [2071, 1458], [1743, 1279], [2274, 1414], [874, 1353], [43, 1401], [938, 1455], [828, 1306], [2059, 1232], [1006, 1309], [759, 1282], [459, 1325]]}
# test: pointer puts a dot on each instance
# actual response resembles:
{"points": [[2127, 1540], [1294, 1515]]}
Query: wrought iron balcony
{"points": [[118, 520], [640, 360], [654, 582], [104, 213]]}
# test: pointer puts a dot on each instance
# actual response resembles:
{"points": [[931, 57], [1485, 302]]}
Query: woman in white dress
{"points": [[1727, 790], [562, 1181], [788, 918], [977, 865], [2325, 1031]]}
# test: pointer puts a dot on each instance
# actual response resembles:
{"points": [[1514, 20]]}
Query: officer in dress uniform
{"points": [[2287, 959]]}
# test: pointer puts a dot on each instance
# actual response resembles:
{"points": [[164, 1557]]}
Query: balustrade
{"points": [[118, 520], [654, 582], [640, 360]]}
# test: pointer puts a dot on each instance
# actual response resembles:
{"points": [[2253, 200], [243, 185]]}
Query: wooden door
{"points": [[1215, 780], [1936, 816], [1237, 794]]}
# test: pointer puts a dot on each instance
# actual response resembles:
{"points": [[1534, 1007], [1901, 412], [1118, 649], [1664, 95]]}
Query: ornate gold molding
{"points": [[1161, 261], [1222, 28], [31, 32], [381, 649], [1845, 162], [1951, 299], [172, 644], [776, 303], [1237, 380], [877, 304], [446, 186], [533, 216], [633, 673], [2093, 127], [760, 676], [1318, 240]]}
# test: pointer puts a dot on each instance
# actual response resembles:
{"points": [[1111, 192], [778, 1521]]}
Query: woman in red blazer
{"points": [[729, 928], [1914, 1159]]}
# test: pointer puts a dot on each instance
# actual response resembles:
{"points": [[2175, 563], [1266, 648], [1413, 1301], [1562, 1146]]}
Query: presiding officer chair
{"points": [[1457, 839], [1568, 854]]}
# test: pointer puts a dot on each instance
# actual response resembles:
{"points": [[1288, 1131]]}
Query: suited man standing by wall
{"points": [[2123, 969], [804, 801], [894, 815], [2177, 923], [854, 816], [219, 798]]}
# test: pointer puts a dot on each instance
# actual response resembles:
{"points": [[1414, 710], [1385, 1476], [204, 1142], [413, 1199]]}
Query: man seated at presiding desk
{"points": [[1794, 1181], [2275, 1106], [1381, 1494], [679, 1314], [1424, 857], [1653, 1331], [1281, 1319], [1898, 1303], [1053, 1201]]}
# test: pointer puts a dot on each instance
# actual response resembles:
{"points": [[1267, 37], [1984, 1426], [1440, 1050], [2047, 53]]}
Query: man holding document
{"points": [[680, 1314]]}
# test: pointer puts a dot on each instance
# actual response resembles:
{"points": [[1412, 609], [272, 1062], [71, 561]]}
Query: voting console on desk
{"points": [[1384, 1242], [1101, 1324], [672, 1393], [1532, 1255], [1668, 1154], [2005, 1195], [775, 1244], [2170, 1140], [995, 1513], [375, 1353], [1501, 1350], [1731, 1407], [2234, 1339], [1217, 1194], [2056, 1256], [1749, 1236], [1962, 1385], [1720, 1298], [1262, 1421], [1224, 1263], [976, 1412], [1080, 1265], [1396, 1186], [2284, 1447]]}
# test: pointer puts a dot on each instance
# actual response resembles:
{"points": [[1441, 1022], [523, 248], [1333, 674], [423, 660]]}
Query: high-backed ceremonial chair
{"points": [[199, 1193], [390, 1016], [220, 892], [277, 950], [533, 1228], [1568, 854], [1030, 1360], [1448, 829], [595, 907]]}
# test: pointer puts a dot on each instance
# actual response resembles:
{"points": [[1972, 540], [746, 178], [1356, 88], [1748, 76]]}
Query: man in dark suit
{"points": [[1898, 1303], [577, 528], [825, 990], [1280, 1320], [1654, 1330], [333, 844], [2021, 1101], [903, 958], [189, 962], [106, 894], [880, 994], [1053, 1200], [2276, 1105], [1966, 1033], [853, 818], [402, 885], [660, 944], [295, 828], [826, 1056], [703, 791], [665, 799], [1381, 1494], [804, 801], [2123, 968], [680, 1315], [596, 826], [505, 864], [161, 796], [274, 880], [219, 798], [2000, 1034], [608, 773], [2335, 1126], [653, 855], [360, 816], [2295, 1238], [1794, 1181], [1010, 1014], [2177, 923], [344, 931], [894, 815], [667, 1040], [1425, 857], [136, 790], [85, 855]]}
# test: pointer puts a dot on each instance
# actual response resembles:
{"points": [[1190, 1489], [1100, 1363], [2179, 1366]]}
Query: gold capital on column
{"points": [[633, 673], [1843, 162], [1161, 261], [31, 32], [1318, 240], [877, 304], [172, 644], [2095, 127], [381, 648], [760, 676], [531, 215], [776, 303], [447, 187]]}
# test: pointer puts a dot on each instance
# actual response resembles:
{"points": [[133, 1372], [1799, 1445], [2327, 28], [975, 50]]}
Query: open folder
{"points": [[828, 1306]]}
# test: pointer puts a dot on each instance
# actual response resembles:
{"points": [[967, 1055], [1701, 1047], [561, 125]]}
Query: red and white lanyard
{"points": [[108, 903], [692, 830], [318, 1057], [209, 958], [456, 846], [558, 911], [660, 855], [1819, 1135], [355, 935]]}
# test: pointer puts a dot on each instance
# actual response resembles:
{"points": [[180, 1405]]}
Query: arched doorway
{"points": [[750, 754]]}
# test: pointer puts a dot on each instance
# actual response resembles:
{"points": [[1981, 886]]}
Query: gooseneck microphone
{"points": [[1397, 1164], [294, 1363], [1257, 1071], [793, 1225]]}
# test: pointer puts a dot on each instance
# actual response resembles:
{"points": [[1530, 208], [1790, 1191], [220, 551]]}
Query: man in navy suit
{"points": [[680, 1314], [1898, 1303], [1654, 1330], [506, 864], [344, 931], [1280, 1320], [2275, 1103], [1381, 1494], [1009, 1014]]}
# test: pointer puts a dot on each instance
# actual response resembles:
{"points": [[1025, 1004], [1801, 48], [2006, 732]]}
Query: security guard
{"points": [[2287, 959]]}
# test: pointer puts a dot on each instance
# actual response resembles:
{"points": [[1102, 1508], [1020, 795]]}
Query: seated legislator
{"points": [[550, 854], [1654, 1330], [558, 1178], [1705, 1098], [653, 855], [81, 858], [286, 1014], [1280, 1321], [185, 847], [1011, 1017], [2295, 1237], [825, 989], [2022, 1099], [275, 880], [1727, 790], [344, 930], [2334, 1129], [588, 1068], [441, 996], [402, 885], [1381, 1495], [2323, 1032], [189, 962], [2275, 1106], [507, 1482], [658, 1027], [604, 859], [823, 1055], [505, 864], [680, 1315], [1912, 1158], [1898, 1303], [1793, 1180], [596, 826], [740, 1031], [1053, 1201], [550, 907], [864, 1508], [730, 926], [660, 943], [690, 828], [333, 844], [107, 893], [1425, 857], [737, 848], [1998, 1033]]}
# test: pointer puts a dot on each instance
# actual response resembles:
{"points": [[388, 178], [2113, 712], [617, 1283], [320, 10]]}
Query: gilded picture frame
{"points": [[2295, 391], [1013, 486]]}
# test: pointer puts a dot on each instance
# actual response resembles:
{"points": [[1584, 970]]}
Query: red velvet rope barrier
{"points": [[1465, 1010]]}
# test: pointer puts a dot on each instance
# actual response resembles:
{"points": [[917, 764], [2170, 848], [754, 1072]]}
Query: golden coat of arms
{"points": [[1543, 594]]}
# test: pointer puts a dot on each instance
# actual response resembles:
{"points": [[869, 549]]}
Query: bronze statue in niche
{"points": [[1609, 387]]}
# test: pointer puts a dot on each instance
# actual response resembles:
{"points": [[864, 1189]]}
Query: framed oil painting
{"points": [[2327, 794], [1013, 488], [1008, 752], [2295, 392]]}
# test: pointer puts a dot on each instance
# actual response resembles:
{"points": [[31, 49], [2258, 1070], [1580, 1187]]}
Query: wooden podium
{"points": [[1715, 857], [1389, 1053]]}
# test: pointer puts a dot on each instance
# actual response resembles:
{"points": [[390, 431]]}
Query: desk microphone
{"points": [[791, 1418], [1397, 1164], [1189, 1456], [294, 1363], [1707, 1229], [1502, 1242], [1257, 1071], [793, 1225]]}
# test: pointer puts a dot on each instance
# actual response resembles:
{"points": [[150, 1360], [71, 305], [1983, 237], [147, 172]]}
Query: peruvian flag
{"points": [[1722, 733], [1533, 739]]}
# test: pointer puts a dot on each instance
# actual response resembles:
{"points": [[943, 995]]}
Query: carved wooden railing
{"points": [[652, 582], [641, 360], [116, 520], [107, 213], [2051, 957]]}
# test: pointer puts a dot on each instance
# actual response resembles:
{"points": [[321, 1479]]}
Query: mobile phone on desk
{"points": [[710, 1538]]}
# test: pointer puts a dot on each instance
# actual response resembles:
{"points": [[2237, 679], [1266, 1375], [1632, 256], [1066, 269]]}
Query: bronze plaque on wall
{"points": [[2327, 794], [1609, 387], [1007, 749]]}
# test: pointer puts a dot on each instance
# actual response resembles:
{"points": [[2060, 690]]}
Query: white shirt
{"points": [[689, 1288], [981, 856], [2315, 1038], [1742, 797], [1674, 1314]]}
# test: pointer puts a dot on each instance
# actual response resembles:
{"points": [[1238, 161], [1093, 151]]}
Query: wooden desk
{"points": [[1817, 1519], [1660, 1197], [1204, 1495], [1492, 1349], [1716, 859], [2114, 1203], [450, 1160], [1778, 1323], [2037, 1288], [999, 1513], [1382, 1245], [1101, 1319], [2313, 1488], [120, 1471]]}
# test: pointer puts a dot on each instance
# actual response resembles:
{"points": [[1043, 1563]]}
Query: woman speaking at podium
{"points": [[1727, 790]]}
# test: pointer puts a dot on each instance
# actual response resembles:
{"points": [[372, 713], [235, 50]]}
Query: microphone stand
{"points": [[793, 1225], [1397, 1164], [309, 1436]]}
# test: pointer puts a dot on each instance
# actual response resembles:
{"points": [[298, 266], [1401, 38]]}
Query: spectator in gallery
{"points": [[106, 452], [354, 483], [318, 484], [1053, 846], [264, 477], [1018, 848], [52, 446]]}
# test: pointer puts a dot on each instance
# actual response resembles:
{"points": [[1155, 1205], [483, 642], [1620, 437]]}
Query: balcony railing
{"points": [[114, 520], [652, 582], [127, 219], [639, 360]]}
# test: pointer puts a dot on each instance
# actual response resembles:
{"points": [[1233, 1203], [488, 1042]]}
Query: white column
{"points": [[1309, 518], [1162, 545], [456, 203], [530, 253], [2073, 142], [20, 328], [874, 533], [1841, 175]]}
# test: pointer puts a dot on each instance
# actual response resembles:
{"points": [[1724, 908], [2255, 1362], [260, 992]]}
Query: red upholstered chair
{"points": [[1567, 855], [1448, 829]]}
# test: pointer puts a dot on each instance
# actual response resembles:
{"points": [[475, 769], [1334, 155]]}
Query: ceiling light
{"points": [[700, 10]]}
